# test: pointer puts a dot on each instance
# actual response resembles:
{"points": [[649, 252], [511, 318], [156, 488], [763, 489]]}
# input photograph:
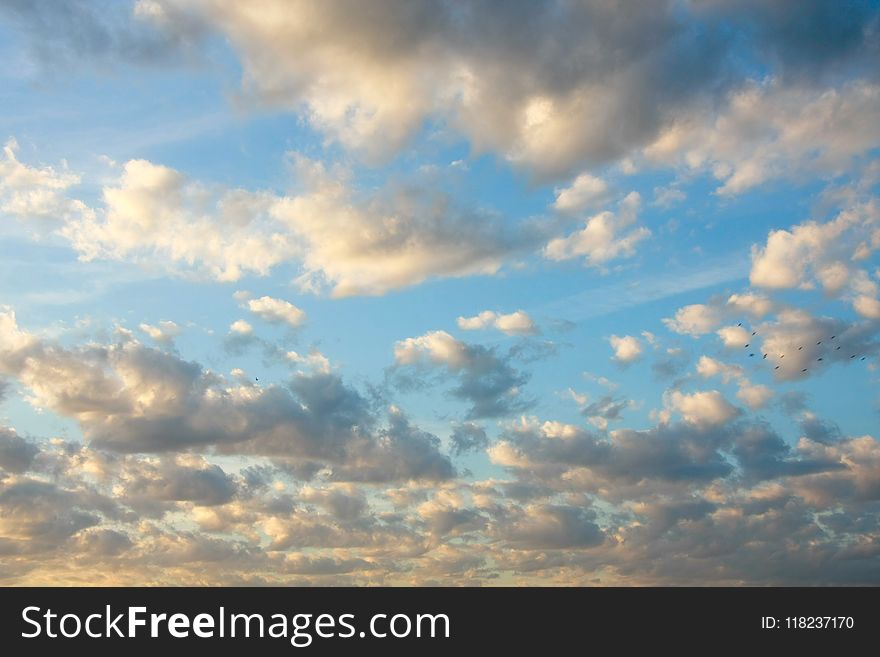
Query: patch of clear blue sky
{"points": [[192, 119]]}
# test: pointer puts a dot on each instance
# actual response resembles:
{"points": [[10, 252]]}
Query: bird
{"points": [[740, 324], [750, 355], [853, 356], [754, 333], [765, 356], [820, 342], [256, 378], [818, 359], [863, 358], [776, 368], [799, 348], [782, 355], [746, 345], [804, 370], [837, 348], [833, 336]]}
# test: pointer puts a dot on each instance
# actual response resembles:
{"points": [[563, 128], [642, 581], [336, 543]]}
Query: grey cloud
{"points": [[105, 34], [129, 398], [16, 453], [552, 527], [468, 437]]}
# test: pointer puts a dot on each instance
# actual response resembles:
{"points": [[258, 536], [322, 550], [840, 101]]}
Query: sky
{"points": [[573, 292]]}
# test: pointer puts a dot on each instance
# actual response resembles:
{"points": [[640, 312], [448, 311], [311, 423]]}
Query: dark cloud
{"points": [[552, 527], [16, 453], [468, 437], [103, 33]]}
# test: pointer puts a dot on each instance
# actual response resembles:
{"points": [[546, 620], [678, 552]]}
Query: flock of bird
{"points": [[820, 359]]}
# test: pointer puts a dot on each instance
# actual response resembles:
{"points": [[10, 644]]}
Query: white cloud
{"points": [[699, 319], [627, 348], [695, 320], [37, 192], [165, 332], [769, 131], [515, 323], [708, 367], [604, 237], [437, 346], [276, 311], [823, 253], [585, 192], [704, 408], [755, 396], [241, 327]]}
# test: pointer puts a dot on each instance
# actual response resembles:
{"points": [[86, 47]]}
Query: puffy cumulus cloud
{"points": [[675, 503], [164, 332], [484, 379], [618, 464], [39, 516], [314, 361], [734, 336], [826, 254], [708, 367], [701, 318], [585, 192], [772, 130], [346, 242], [551, 86], [145, 482], [155, 214], [276, 311], [241, 327], [801, 344], [755, 396], [705, 408], [515, 323], [130, 398], [28, 192], [604, 237], [627, 349], [343, 501], [395, 238], [542, 527]]}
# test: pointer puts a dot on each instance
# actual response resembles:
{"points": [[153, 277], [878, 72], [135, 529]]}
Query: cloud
{"points": [[103, 34], [770, 130], [468, 437], [585, 192], [375, 78], [699, 319], [515, 323], [813, 253], [627, 349], [37, 193], [164, 333], [129, 398], [155, 215], [241, 327], [16, 453], [574, 458], [552, 527], [604, 237], [704, 409], [344, 241], [485, 380], [276, 311]]}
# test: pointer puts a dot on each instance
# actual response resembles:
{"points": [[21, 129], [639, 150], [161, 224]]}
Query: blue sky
{"points": [[423, 292]]}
